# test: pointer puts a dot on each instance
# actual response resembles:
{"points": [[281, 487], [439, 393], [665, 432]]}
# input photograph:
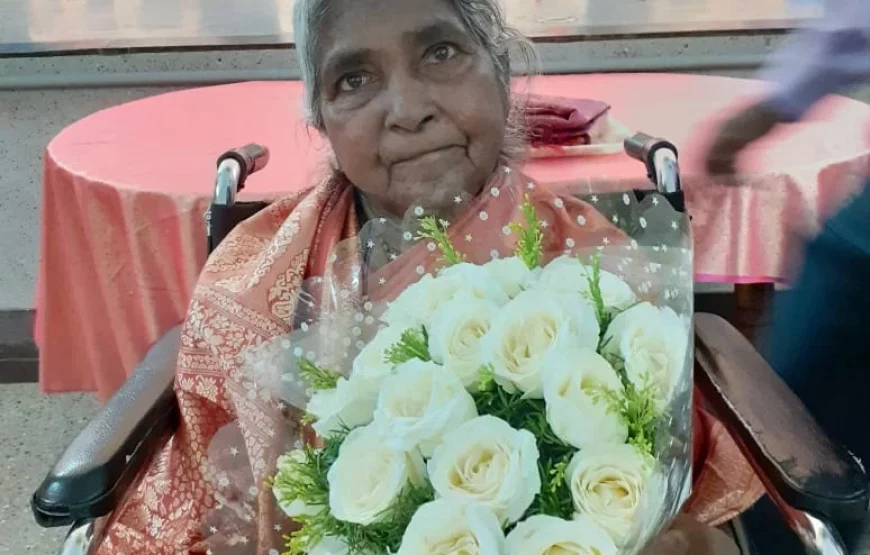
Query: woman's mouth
{"points": [[434, 157]]}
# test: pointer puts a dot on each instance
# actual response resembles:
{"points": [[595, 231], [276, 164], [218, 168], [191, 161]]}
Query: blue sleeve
{"points": [[822, 60]]}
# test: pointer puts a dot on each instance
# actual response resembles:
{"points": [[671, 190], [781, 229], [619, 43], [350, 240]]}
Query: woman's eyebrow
{"points": [[433, 32], [342, 60]]}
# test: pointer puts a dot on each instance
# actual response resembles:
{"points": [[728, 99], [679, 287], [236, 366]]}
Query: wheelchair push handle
{"points": [[255, 157], [234, 168], [250, 159], [660, 158], [638, 146]]}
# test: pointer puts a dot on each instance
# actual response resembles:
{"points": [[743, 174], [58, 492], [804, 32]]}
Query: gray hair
{"points": [[483, 19]]}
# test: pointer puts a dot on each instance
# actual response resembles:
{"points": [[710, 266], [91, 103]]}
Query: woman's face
{"points": [[411, 104]]}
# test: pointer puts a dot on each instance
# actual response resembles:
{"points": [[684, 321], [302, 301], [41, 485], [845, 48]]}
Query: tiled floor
{"points": [[34, 429]]}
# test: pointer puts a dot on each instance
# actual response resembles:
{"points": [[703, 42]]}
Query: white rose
{"points": [[350, 404], [456, 334], [511, 274], [371, 362], [527, 329], [416, 304], [330, 546], [568, 275], [607, 485], [565, 274], [653, 343], [574, 380], [419, 403], [487, 462], [476, 280], [285, 465], [419, 302], [368, 476], [446, 528], [616, 293], [548, 535]]}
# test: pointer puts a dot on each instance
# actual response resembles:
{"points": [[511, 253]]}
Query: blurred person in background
{"points": [[818, 342]]}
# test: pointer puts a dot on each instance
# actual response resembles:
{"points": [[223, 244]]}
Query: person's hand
{"points": [[689, 537], [736, 134]]}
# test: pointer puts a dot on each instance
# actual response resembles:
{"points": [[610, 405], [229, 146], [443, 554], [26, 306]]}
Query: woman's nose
{"points": [[410, 106]]}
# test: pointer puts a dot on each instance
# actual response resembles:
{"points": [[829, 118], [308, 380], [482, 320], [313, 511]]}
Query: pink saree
{"points": [[246, 296]]}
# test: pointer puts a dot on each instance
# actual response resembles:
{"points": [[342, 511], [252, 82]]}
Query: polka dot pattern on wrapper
{"points": [[640, 250]]}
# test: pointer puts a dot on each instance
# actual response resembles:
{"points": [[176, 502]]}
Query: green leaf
{"points": [[379, 537], [555, 498], [318, 378], [486, 378], [432, 228], [530, 245], [602, 314], [521, 412], [413, 343], [305, 479], [638, 408]]}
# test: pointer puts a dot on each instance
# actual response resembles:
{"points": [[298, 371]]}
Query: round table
{"points": [[126, 188]]}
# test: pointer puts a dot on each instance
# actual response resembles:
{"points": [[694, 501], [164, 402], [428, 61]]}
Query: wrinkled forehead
{"points": [[356, 28]]}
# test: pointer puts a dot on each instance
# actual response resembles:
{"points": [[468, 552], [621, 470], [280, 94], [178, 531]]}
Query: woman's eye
{"points": [[353, 82], [441, 53]]}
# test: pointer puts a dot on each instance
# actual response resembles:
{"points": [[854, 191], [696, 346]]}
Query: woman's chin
{"points": [[450, 187], [440, 197]]}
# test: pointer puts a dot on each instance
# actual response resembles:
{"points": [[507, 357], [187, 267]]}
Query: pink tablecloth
{"points": [[126, 188]]}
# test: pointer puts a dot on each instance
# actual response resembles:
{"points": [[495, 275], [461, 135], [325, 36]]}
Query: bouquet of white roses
{"points": [[538, 401]]}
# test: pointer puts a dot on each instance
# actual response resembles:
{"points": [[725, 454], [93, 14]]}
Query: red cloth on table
{"points": [[560, 121]]}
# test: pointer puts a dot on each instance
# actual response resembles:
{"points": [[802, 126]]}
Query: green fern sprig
{"points": [[638, 408], [305, 478], [603, 315], [530, 245], [413, 343], [554, 455], [319, 378], [436, 230]]}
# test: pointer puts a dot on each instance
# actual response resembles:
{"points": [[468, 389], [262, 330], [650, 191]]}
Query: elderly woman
{"points": [[414, 97]]}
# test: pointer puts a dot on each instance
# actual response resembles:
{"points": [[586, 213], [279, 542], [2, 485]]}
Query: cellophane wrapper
{"points": [[646, 247]]}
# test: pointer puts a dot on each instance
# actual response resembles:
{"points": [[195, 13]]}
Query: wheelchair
{"points": [[817, 486]]}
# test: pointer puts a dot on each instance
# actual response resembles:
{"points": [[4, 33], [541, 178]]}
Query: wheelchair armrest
{"points": [[101, 463], [782, 441]]}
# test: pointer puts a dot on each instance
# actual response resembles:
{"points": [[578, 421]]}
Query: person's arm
{"points": [[820, 60]]}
